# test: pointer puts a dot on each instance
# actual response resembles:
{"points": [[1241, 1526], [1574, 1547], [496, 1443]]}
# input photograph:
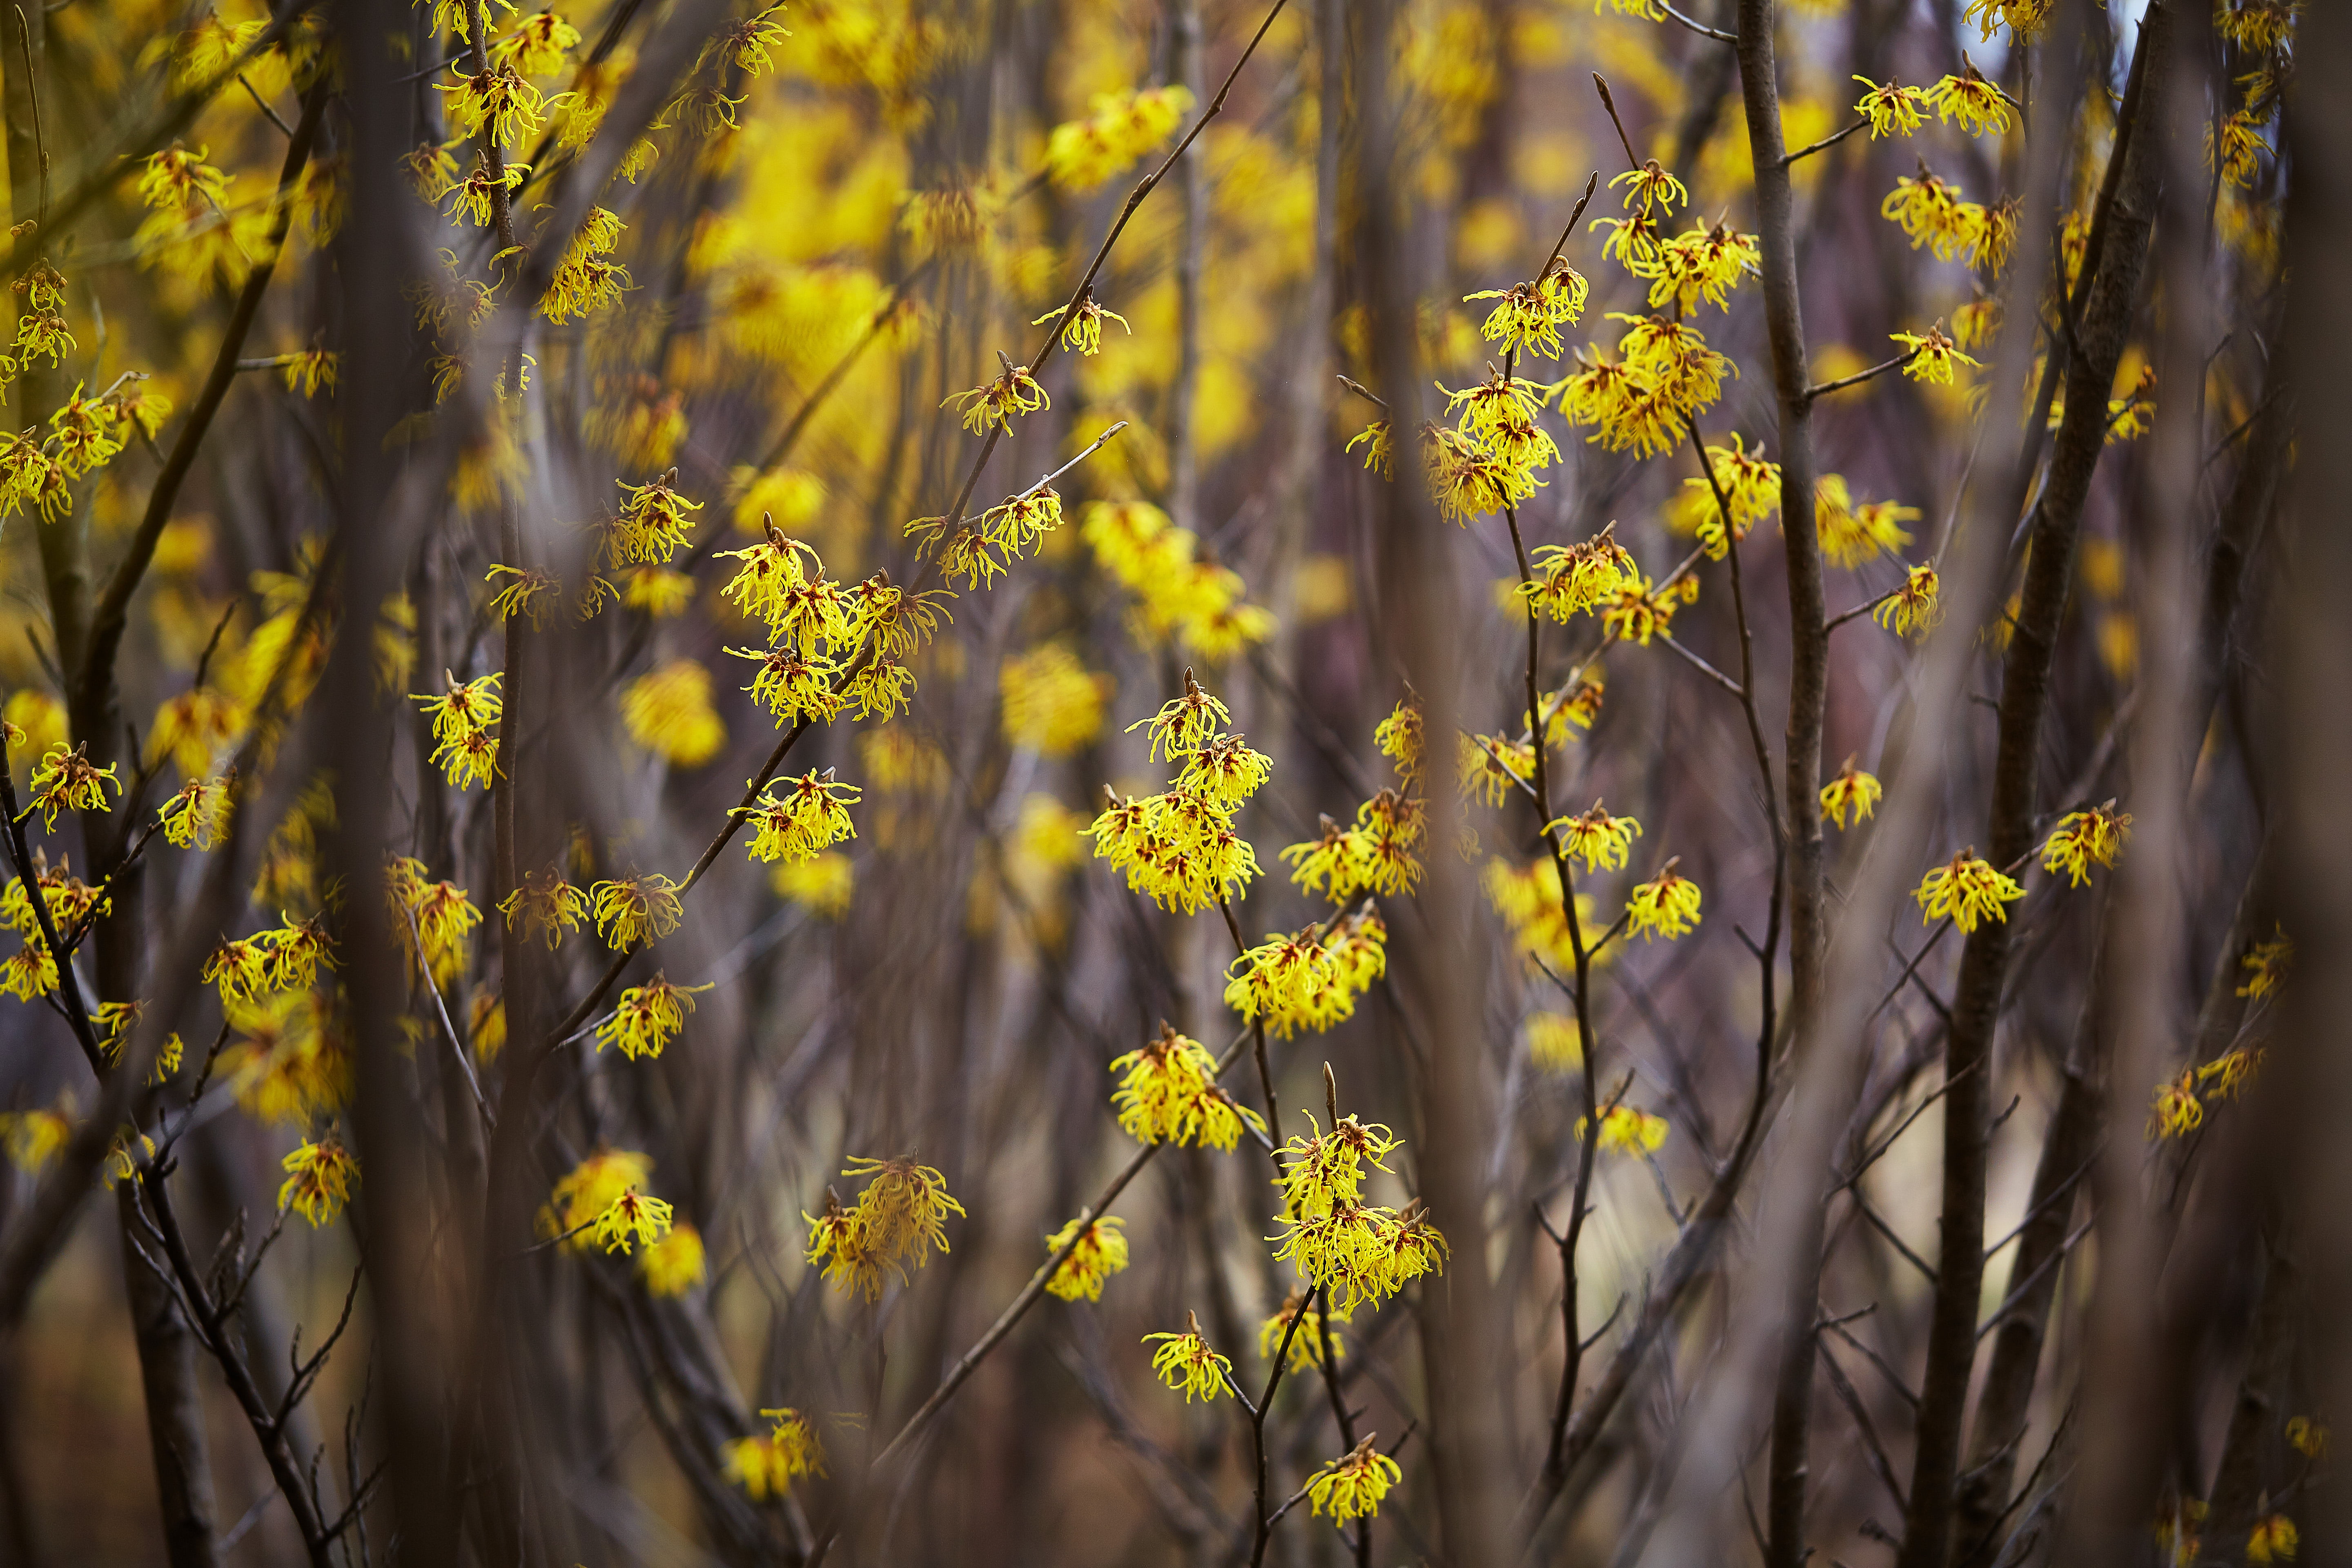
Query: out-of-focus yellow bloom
{"points": [[1554, 1042], [765, 1465], [32, 1138], [821, 884], [1100, 1253], [1968, 890], [1626, 1131], [2176, 1110], [1307, 1340], [675, 1264], [2266, 964], [1120, 128], [1053, 703], [667, 710], [2272, 1540]]}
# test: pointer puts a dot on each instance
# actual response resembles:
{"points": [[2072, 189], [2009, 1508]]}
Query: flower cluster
{"points": [[1311, 978], [1380, 853], [1626, 1131], [766, 1464], [444, 917], [811, 814], [463, 718], [1852, 534], [1352, 1251], [588, 1192], [1179, 594], [1098, 1253], [894, 1223], [1573, 579], [1931, 212], [1306, 1341], [1168, 1093], [1121, 127], [1600, 840], [1179, 847]]}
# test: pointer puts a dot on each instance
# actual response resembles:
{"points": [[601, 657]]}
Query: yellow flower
{"points": [[1398, 738], [1851, 794], [1082, 154], [2023, 19], [631, 1218], [65, 779], [635, 911], [1185, 1360], [798, 687], [2176, 1112], [1577, 578], [583, 1195], [1912, 607], [32, 1138], [1326, 1171], [196, 816], [2084, 836], [766, 1465], [675, 1264], [2306, 1436], [1929, 213], [821, 884], [1852, 534], [1892, 109], [1351, 1485], [1599, 839], [1554, 1042], [994, 403], [545, 903], [535, 46], [2230, 1072], [1084, 333], [239, 969], [498, 99], [2266, 964], [813, 814], [1626, 1131], [1288, 981], [667, 711], [1650, 186], [1488, 768], [321, 1179], [1053, 704], [1967, 889], [648, 1017], [1531, 315], [838, 1247], [1100, 1253], [1933, 356], [1184, 723], [1307, 1342], [2274, 1540], [1168, 1093], [902, 1214], [1976, 103], [1379, 447], [652, 524], [1666, 905]]}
